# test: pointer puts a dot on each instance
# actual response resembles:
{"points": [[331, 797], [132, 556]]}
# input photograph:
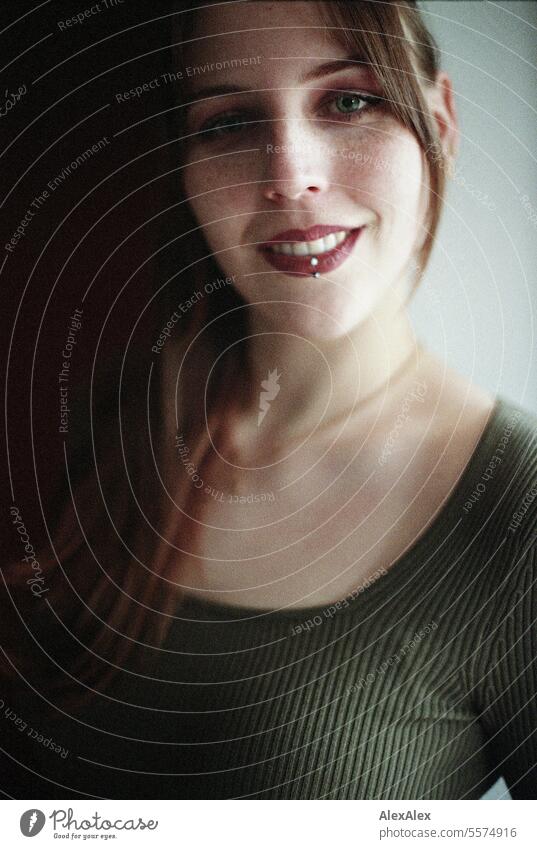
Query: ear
{"points": [[442, 103]]}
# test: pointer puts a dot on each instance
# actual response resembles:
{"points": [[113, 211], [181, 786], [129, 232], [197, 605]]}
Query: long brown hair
{"points": [[123, 526]]}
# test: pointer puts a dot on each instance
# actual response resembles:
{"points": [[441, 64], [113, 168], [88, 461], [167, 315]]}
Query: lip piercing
{"points": [[314, 261]]}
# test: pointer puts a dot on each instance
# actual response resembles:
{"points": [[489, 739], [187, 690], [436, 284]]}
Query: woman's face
{"points": [[297, 147]]}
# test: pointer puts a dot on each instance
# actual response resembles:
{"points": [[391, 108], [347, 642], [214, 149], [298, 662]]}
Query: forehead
{"points": [[228, 33], [265, 45], [256, 15]]}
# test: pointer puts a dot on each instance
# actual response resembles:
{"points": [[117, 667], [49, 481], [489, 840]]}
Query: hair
{"points": [[113, 571]]}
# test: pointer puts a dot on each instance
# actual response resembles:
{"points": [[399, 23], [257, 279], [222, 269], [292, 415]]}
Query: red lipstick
{"points": [[301, 265]]}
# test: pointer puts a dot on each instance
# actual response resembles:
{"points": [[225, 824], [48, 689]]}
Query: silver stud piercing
{"points": [[315, 274], [314, 261]]}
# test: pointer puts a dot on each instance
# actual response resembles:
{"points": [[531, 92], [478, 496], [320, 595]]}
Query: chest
{"points": [[309, 533]]}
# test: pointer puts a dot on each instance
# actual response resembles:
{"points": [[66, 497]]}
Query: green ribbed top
{"points": [[420, 686]]}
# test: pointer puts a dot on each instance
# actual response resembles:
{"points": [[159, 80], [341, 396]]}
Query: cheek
{"points": [[404, 179], [216, 202], [385, 172]]}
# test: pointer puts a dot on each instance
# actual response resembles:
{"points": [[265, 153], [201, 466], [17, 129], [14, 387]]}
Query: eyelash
{"points": [[211, 129]]}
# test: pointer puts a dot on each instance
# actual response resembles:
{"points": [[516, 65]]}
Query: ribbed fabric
{"points": [[421, 686]]}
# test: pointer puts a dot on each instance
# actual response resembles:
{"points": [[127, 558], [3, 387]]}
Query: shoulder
{"points": [[495, 507], [499, 512], [510, 451]]}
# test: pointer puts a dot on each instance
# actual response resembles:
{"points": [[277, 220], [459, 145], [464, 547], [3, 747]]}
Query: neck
{"points": [[309, 384]]}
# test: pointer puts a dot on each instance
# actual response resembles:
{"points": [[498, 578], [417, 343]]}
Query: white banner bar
{"points": [[250, 824]]}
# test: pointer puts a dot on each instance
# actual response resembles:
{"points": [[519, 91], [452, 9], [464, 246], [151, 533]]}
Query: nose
{"points": [[295, 168]]}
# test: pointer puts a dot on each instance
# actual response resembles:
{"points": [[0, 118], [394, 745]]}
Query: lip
{"points": [[301, 265], [315, 232]]}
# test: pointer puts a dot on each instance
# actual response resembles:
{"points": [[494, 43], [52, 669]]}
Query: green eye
{"points": [[349, 102]]}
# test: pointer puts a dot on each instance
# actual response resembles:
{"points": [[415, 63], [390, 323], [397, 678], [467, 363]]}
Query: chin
{"points": [[313, 321], [321, 309]]}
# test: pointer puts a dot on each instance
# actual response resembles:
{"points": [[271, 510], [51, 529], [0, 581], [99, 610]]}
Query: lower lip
{"points": [[328, 261]]}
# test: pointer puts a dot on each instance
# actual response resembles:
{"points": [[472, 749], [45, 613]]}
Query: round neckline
{"points": [[445, 518]]}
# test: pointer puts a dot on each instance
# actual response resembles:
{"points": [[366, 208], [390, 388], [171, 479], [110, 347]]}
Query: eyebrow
{"points": [[316, 73], [333, 66]]}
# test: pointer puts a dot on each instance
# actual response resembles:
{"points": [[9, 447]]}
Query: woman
{"points": [[320, 588]]}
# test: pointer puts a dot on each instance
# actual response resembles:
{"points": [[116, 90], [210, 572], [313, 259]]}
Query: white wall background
{"points": [[477, 306]]}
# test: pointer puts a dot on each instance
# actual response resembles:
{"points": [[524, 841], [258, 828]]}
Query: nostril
{"points": [[290, 189]]}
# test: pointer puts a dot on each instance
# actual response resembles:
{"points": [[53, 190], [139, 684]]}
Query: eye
{"points": [[348, 104], [226, 124]]}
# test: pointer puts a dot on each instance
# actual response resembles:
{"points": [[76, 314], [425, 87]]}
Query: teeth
{"points": [[319, 246]]}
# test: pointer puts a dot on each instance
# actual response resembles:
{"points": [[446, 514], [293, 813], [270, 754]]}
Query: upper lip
{"points": [[310, 235]]}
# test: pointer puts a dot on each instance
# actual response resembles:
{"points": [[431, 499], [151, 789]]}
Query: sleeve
{"points": [[508, 688]]}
